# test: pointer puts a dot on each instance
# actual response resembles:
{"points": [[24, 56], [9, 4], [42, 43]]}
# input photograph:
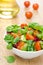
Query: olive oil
{"points": [[8, 8]]}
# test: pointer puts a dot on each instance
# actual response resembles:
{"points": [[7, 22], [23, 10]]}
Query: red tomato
{"points": [[27, 3], [35, 6], [23, 25], [37, 46], [20, 44], [28, 15], [29, 37]]}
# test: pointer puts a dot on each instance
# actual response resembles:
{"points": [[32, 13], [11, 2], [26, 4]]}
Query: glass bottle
{"points": [[8, 8]]}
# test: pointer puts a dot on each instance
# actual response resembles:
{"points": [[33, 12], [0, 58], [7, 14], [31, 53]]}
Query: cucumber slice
{"points": [[23, 38]]}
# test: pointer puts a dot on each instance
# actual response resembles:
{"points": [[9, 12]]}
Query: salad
{"points": [[26, 37]]}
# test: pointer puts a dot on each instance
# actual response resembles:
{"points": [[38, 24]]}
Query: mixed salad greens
{"points": [[26, 37]]}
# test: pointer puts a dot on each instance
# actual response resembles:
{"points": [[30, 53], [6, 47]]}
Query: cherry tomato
{"points": [[35, 6], [37, 46], [29, 37], [27, 3], [20, 44], [23, 25], [28, 15]]}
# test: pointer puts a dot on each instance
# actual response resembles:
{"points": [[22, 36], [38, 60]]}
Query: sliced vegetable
{"points": [[20, 44], [24, 47], [23, 38], [29, 37], [37, 46]]}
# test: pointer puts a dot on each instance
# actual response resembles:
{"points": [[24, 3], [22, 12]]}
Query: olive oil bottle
{"points": [[8, 8]]}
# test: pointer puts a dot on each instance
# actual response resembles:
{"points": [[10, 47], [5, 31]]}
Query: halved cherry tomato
{"points": [[28, 15], [29, 37], [35, 6], [20, 44], [37, 46], [27, 3], [23, 25]]}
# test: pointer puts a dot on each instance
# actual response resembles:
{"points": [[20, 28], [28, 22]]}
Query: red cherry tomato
{"points": [[37, 46], [27, 3], [23, 25], [29, 37], [35, 6], [20, 44], [28, 15]]}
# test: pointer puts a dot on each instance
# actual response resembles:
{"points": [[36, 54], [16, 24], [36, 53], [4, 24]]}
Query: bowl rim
{"points": [[28, 51]]}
